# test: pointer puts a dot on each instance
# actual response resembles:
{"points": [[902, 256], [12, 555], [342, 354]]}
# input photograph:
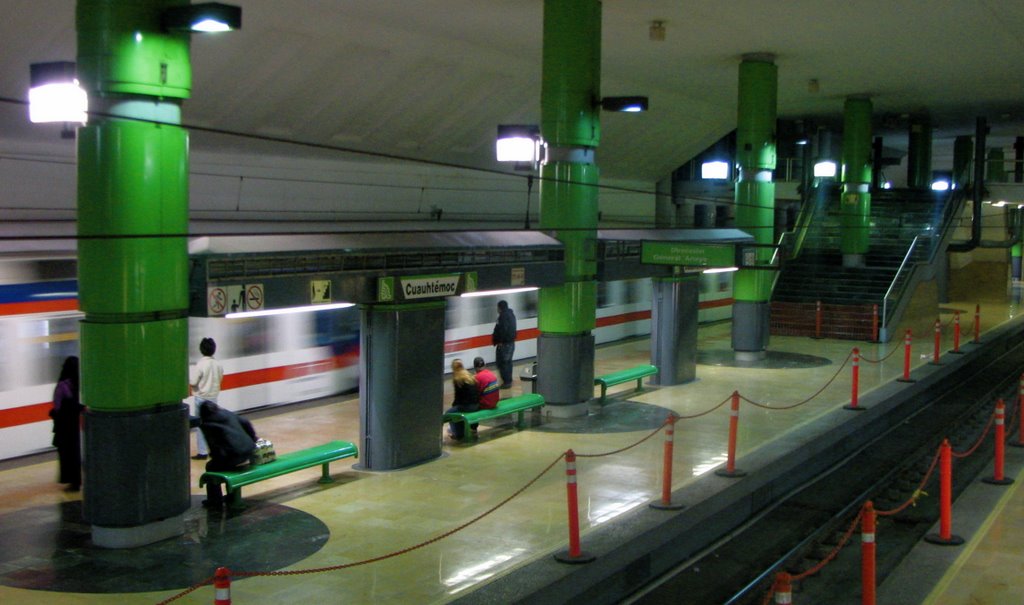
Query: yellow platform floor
{"points": [[373, 514]]}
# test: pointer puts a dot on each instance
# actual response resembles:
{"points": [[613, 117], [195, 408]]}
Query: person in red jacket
{"points": [[486, 383]]}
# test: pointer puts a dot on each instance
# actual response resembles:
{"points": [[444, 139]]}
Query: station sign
{"points": [[685, 254], [424, 287]]}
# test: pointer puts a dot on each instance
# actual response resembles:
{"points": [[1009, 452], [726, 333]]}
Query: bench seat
{"points": [[636, 373], [284, 464], [512, 405]]}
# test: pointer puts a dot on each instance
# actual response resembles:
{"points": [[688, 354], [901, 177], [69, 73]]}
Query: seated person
{"points": [[232, 441], [467, 396], [487, 384]]}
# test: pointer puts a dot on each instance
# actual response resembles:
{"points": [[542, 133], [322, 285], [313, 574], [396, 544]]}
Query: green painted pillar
{"points": [[570, 123], [963, 149], [996, 166], [919, 153], [132, 271], [755, 200], [856, 176]]}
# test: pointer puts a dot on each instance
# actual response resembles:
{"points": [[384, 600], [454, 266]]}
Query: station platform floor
{"points": [[439, 530]]}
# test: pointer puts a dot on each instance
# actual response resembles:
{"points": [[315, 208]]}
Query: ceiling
{"points": [[431, 79]]}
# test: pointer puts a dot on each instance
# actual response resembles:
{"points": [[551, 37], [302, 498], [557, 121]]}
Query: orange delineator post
{"points": [[938, 341], [783, 589], [734, 423], [997, 477], [666, 478], [945, 535], [574, 555], [855, 382], [977, 324], [906, 359], [867, 554], [817, 320], [874, 323], [222, 586]]}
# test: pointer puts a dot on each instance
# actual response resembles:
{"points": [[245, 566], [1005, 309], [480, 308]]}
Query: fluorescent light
{"points": [[516, 149], [998, 204], [714, 170], [721, 270], [286, 310], [632, 104], [203, 18], [55, 95], [825, 169], [941, 185], [210, 26], [498, 292], [887, 185]]}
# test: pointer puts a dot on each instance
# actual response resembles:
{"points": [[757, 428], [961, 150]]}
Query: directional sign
{"points": [[687, 254], [320, 291]]}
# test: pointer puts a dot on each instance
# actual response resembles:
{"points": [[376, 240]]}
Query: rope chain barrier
{"points": [[188, 591], [705, 413], [918, 491], [835, 551], [981, 439], [628, 447], [899, 345], [800, 403], [296, 572]]}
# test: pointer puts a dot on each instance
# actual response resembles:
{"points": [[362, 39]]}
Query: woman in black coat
{"points": [[467, 396], [66, 414]]}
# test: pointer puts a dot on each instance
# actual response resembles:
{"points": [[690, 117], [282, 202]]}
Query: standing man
{"points": [[504, 339], [487, 383], [204, 378]]}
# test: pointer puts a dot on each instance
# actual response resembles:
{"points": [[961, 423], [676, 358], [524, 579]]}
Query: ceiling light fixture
{"points": [[632, 104], [209, 17]]}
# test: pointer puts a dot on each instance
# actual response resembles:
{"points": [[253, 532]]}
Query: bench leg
{"points": [[325, 473], [233, 498], [467, 431], [604, 391], [521, 419], [640, 384]]}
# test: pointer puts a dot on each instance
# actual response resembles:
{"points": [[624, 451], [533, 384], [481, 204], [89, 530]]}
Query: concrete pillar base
{"points": [[139, 535], [853, 260], [573, 410], [748, 356], [565, 368], [750, 326]]}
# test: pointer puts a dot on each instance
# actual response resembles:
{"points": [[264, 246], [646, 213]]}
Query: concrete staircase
{"points": [[848, 295]]}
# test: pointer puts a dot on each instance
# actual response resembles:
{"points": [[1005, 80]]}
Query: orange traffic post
{"points": [[874, 323], [956, 333], [817, 320], [938, 342], [574, 554], [997, 477], [906, 359], [730, 469], [222, 586], [783, 589], [977, 324], [854, 387], [945, 537], [1020, 414], [666, 477], [867, 554]]}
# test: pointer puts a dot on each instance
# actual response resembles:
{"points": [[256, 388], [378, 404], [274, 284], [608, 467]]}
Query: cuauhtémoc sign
{"points": [[429, 287]]}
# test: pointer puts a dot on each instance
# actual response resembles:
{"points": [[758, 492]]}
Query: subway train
{"points": [[269, 360]]}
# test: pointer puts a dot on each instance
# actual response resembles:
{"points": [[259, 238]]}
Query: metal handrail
{"points": [[895, 278]]}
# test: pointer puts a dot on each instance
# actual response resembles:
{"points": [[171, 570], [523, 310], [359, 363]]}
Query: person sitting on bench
{"points": [[487, 384], [467, 396], [232, 440]]}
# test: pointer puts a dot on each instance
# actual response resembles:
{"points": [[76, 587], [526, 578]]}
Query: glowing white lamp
{"points": [[714, 170], [55, 95], [825, 169]]}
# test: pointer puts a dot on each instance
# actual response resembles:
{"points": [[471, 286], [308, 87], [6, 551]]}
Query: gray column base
{"points": [[853, 260], [745, 356], [565, 369], [674, 307], [750, 326], [137, 473], [573, 410], [139, 535]]}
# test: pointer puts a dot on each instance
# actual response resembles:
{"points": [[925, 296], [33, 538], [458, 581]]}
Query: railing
{"points": [[893, 286]]}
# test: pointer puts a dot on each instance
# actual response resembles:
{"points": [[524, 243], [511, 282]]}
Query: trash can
{"points": [[529, 374]]}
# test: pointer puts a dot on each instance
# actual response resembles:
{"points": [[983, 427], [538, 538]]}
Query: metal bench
{"points": [[636, 373], [512, 405], [284, 464]]}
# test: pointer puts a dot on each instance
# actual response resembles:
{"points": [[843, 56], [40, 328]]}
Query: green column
{"points": [[132, 271], [755, 198], [856, 177], [570, 123], [963, 149], [919, 153]]}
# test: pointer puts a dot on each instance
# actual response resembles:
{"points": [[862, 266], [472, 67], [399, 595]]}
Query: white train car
{"points": [[275, 359]]}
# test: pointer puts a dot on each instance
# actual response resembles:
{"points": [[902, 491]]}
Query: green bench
{"points": [[637, 373], [284, 464], [512, 405]]}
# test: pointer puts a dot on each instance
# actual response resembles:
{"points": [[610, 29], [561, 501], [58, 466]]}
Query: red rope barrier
{"points": [[918, 491], [980, 440], [832, 555], [883, 358], [800, 403]]}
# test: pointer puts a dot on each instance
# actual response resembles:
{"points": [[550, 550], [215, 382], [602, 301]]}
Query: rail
{"points": [[895, 279]]}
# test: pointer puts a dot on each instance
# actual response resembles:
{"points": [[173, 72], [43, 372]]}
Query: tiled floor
{"points": [[373, 514]]}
